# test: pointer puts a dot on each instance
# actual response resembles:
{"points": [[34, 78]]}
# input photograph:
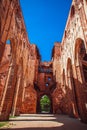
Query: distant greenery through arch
{"points": [[45, 104]]}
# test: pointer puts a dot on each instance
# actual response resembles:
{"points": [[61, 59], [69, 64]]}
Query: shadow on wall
{"points": [[69, 103]]}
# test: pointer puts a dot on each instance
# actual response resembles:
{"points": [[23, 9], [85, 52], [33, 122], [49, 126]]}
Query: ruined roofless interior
{"points": [[24, 79]]}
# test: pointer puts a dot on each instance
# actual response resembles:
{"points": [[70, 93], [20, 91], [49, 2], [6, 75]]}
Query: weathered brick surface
{"points": [[29, 102], [13, 28], [45, 84], [73, 63], [24, 79], [4, 66]]}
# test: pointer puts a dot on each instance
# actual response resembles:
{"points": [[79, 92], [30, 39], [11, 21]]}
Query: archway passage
{"points": [[45, 104]]}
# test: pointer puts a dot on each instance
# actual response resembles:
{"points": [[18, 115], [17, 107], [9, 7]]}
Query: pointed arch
{"points": [[80, 50], [80, 61]]}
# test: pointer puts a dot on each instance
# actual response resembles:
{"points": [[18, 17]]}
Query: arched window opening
{"points": [[82, 50], [8, 49], [84, 65], [81, 57], [47, 84], [63, 78], [49, 78], [80, 74], [86, 1], [72, 11], [8, 41], [45, 104]]}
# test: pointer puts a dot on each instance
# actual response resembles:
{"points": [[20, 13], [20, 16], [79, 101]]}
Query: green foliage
{"points": [[12, 116], [3, 124], [45, 103]]}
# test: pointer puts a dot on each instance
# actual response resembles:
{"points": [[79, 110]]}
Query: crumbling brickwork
{"points": [[4, 65], [73, 62], [24, 79], [22, 65], [45, 84]]}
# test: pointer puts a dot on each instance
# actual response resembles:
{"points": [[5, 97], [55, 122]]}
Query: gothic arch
{"points": [[11, 77], [5, 62], [80, 76], [72, 11], [81, 58], [80, 50]]}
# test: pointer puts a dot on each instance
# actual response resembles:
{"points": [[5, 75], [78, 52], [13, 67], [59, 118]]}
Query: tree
{"points": [[45, 103]]}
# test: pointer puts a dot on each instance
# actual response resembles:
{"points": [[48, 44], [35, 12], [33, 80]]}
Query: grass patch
{"points": [[12, 116], [3, 124]]}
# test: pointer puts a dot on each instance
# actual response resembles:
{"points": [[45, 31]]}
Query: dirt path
{"points": [[45, 122]]}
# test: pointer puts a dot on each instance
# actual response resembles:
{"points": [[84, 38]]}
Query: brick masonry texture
{"points": [[24, 79]]}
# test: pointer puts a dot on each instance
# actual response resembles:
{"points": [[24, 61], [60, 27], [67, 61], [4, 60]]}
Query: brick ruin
{"points": [[24, 79]]}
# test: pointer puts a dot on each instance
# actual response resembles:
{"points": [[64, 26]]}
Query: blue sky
{"points": [[45, 22]]}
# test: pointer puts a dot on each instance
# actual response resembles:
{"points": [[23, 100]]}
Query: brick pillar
{"points": [[23, 91], [16, 96], [20, 96], [70, 96], [5, 89], [8, 93], [72, 102]]}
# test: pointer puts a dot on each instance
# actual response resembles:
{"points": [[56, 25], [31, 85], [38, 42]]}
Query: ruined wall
{"points": [[45, 83], [29, 98], [4, 65], [56, 61], [21, 84], [57, 94], [21, 64], [45, 76], [72, 60], [12, 29]]}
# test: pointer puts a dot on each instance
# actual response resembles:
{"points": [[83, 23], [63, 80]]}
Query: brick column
{"points": [[16, 96], [5, 88]]}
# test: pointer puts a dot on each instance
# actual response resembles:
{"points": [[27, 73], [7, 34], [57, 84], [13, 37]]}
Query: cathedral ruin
{"points": [[24, 78]]}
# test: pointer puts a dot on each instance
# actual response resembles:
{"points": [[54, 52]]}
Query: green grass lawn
{"points": [[12, 116], [3, 124]]}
